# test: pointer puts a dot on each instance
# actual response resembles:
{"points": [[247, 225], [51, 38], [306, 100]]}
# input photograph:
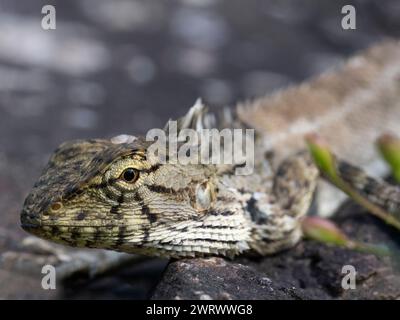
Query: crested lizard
{"points": [[117, 196]]}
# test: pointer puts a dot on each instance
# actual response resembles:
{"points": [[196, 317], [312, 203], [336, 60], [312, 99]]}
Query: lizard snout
{"points": [[29, 222]]}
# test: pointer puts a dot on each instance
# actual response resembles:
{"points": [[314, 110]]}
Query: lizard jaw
{"points": [[29, 224]]}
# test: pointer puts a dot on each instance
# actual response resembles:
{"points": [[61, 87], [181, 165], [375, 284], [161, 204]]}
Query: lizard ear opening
{"points": [[205, 196]]}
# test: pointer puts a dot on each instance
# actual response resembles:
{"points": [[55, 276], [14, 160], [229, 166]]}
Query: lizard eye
{"points": [[130, 175]]}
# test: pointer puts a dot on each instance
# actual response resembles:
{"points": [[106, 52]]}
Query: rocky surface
{"points": [[309, 271], [127, 66]]}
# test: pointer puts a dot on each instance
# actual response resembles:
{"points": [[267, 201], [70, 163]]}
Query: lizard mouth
{"points": [[29, 226], [28, 223]]}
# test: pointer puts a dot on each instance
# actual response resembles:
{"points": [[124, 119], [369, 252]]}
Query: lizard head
{"points": [[95, 193]]}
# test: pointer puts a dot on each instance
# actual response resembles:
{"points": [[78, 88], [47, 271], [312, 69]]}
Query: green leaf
{"points": [[325, 231], [326, 163], [322, 155], [389, 147]]}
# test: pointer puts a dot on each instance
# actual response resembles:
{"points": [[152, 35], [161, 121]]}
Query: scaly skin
{"points": [[82, 199], [100, 194]]}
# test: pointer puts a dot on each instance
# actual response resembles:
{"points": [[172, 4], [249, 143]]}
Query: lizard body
{"points": [[349, 107], [101, 194]]}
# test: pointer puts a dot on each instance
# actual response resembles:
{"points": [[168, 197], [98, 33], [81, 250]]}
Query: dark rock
{"points": [[217, 278], [309, 271]]}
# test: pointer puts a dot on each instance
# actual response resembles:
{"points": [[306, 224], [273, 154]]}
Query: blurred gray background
{"points": [[123, 66]]}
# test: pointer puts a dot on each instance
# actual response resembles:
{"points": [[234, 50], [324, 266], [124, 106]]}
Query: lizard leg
{"points": [[376, 191], [278, 224], [69, 262]]}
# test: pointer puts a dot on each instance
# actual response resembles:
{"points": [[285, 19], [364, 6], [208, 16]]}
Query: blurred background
{"points": [[122, 66]]}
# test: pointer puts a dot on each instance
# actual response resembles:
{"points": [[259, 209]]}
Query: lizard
{"points": [[112, 195]]}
